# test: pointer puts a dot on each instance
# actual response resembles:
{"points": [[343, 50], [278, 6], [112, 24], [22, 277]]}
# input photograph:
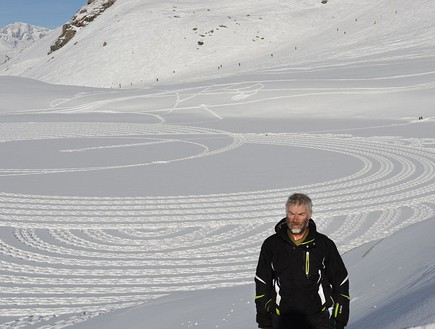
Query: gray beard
{"points": [[298, 230]]}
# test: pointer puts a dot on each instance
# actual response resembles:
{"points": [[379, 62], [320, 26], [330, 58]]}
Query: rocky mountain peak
{"points": [[22, 32], [17, 36]]}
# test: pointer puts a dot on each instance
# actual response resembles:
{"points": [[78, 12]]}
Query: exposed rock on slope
{"points": [[87, 14]]}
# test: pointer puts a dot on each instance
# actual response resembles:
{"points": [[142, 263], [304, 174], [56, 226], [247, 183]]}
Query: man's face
{"points": [[297, 218]]}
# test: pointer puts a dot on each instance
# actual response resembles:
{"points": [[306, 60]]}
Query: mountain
{"points": [[16, 37], [143, 42]]}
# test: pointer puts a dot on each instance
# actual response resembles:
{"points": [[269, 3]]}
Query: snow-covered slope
{"points": [[393, 280], [146, 207], [392, 287], [137, 42]]}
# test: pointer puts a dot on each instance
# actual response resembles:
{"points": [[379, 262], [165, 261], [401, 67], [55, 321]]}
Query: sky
{"points": [[44, 13], [121, 206]]}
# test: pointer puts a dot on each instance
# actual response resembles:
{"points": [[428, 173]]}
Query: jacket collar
{"points": [[281, 230]]}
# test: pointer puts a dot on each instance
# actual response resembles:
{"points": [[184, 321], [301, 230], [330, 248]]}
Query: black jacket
{"points": [[305, 279]]}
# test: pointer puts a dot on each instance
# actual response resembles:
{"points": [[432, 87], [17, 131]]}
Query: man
{"points": [[301, 280]]}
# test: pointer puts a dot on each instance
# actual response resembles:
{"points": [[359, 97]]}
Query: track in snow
{"points": [[64, 259]]}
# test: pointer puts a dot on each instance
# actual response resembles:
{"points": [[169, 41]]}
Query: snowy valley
{"points": [[145, 161]]}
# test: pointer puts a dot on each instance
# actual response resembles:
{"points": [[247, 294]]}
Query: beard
{"points": [[296, 228]]}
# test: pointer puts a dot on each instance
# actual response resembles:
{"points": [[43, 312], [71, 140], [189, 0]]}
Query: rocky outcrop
{"points": [[86, 15]]}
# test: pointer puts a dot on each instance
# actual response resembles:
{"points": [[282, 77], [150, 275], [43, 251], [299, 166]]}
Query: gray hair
{"points": [[299, 199]]}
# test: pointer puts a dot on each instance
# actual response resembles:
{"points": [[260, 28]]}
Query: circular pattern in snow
{"points": [[61, 255]]}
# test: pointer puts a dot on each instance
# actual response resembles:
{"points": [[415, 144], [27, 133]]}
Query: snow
{"points": [[146, 205], [14, 38]]}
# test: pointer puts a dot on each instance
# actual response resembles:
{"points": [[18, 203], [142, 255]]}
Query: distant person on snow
{"points": [[301, 280]]}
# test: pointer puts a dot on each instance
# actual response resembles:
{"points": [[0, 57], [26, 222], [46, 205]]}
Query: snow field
{"points": [[64, 254]]}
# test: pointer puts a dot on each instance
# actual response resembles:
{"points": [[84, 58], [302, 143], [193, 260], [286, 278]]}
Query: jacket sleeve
{"points": [[263, 288], [338, 277]]}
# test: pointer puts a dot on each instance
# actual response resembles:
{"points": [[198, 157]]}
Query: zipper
{"points": [[307, 264]]}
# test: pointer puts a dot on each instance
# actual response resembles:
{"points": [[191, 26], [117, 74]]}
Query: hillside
{"points": [[141, 43]]}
